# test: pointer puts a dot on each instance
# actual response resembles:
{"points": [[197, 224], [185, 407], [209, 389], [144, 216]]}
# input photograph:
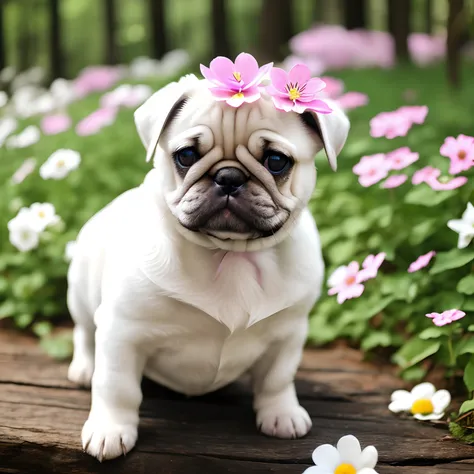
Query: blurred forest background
{"points": [[64, 36]]}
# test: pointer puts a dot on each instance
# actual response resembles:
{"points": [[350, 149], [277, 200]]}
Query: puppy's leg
{"points": [[82, 364], [111, 429], [278, 411]]}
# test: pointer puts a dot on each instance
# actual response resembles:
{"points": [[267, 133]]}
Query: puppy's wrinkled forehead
{"points": [[199, 118]]}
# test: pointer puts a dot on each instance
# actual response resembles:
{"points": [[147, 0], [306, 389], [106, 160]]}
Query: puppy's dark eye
{"points": [[276, 163], [187, 157]]}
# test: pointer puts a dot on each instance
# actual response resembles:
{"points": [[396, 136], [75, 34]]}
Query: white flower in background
{"points": [[424, 402], [32, 76], [27, 167], [7, 74], [126, 95], [44, 104], [60, 164], [29, 136], [7, 126], [3, 99], [23, 235], [69, 250], [464, 226], [174, 61], [22, 100], [42, 215], [63, 92], [143, 67], [346, 458]]}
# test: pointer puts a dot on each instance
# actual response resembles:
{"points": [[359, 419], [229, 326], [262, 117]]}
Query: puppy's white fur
{"points": [[190, 311]]}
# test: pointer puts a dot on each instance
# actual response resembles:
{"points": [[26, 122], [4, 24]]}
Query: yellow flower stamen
{"points": [[423, 406], [294, 93], [239, 95], [60, 163], [41, 214], [238, 76], [462, 154], [345, 469]]}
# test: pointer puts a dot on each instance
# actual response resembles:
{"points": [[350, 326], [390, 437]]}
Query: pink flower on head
{"points": [[454, 183], [371, 169], [446, 317], [296, 91], [389, 125], [235, 83], [402, 157], [54, 124], [426, 175], [94, 122], [460, 151], [394, 181], [345, 282], [371, 265], [421, 262], [415, 113], [352, 100]]}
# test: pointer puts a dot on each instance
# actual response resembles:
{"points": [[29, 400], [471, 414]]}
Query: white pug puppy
{"points": [[207, 270]]}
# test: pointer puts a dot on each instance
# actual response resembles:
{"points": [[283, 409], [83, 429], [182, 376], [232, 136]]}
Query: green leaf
{"points": [[466, 285], [468, 305], [414, 351], [449, 300], [413, 374], [434, 332], [342, 252], [454, 258], [469, 375], [422, 231], [466, 407], [377, 339], [353, 226], [471, 328], [58, 346], [7, 309], [42, 328], [423, 195], [23, 320]]}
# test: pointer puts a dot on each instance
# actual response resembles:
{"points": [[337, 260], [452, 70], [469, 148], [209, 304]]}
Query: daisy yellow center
{"points": [[41, 214], [350, 280], [294, 93], [423, 406], [345, 469], [462, 154], [239, 95], [238, 76], [60, 163]]}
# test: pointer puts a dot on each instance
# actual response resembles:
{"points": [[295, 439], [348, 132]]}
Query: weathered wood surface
{"points": [[41, 416]]}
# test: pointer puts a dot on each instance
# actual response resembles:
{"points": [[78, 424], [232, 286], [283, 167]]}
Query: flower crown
{"points": [[243, 81]]}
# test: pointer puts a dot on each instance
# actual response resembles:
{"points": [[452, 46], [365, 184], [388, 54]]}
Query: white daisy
{"points": [[23, 235], [464, 226], [69, 250], [7, 126], [29, 136], [346, 458], [424, 402], [59, 164], [42, 215], [3, 99], [27, 167]]}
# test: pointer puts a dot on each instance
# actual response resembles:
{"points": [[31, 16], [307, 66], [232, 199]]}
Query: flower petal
{"points": [[313, 86], [369, 458], [441, 400], [299, 74], [223, 69], [317, 470], [318, 106], [460, 226], [349, 449], [221, 93], [433, 416], [399, 406], [283, 104], [423, 390], [247, 65], [367, 470], [464, 240], [399, 395], [273, 91], [279, 78], [326, 456]]}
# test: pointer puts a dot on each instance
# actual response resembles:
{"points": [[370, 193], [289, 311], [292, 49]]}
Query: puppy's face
{"points": [[236, 174]]}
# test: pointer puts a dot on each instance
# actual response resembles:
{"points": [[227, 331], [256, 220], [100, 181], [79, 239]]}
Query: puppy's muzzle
{"points": [[229, 180]]}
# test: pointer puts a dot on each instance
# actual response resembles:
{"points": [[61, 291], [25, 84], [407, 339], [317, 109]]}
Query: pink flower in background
{"points": [[97, 120], [54, 124], [235, 83], [446, 317], [455, 183], [352, 100], [421, 262], [345, 282], [316, 66], [402, 157], [296, 90], [389, 125], [415, 113], [334, 87], [426, 49], [370, 266], [394, 181], [372, 169], [460, 151], [96, 79], [427, 174]]}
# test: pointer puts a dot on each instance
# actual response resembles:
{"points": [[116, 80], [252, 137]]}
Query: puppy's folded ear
{"points": [[152, 117], [333, 129]]}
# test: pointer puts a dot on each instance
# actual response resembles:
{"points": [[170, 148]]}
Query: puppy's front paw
{"points": [[80, 371], [107, 440], [284, 422]]}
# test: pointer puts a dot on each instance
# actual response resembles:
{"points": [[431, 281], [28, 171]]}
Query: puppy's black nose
{"points": [[230, 179]]}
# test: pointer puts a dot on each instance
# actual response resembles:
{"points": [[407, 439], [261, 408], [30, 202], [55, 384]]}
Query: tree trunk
{"points": [[399, 26], [354, 14], [3, 58], [276, 29], [456, 26], [55, 56], [159, 45], [220, 38], [111, 51], [429, 16]]}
